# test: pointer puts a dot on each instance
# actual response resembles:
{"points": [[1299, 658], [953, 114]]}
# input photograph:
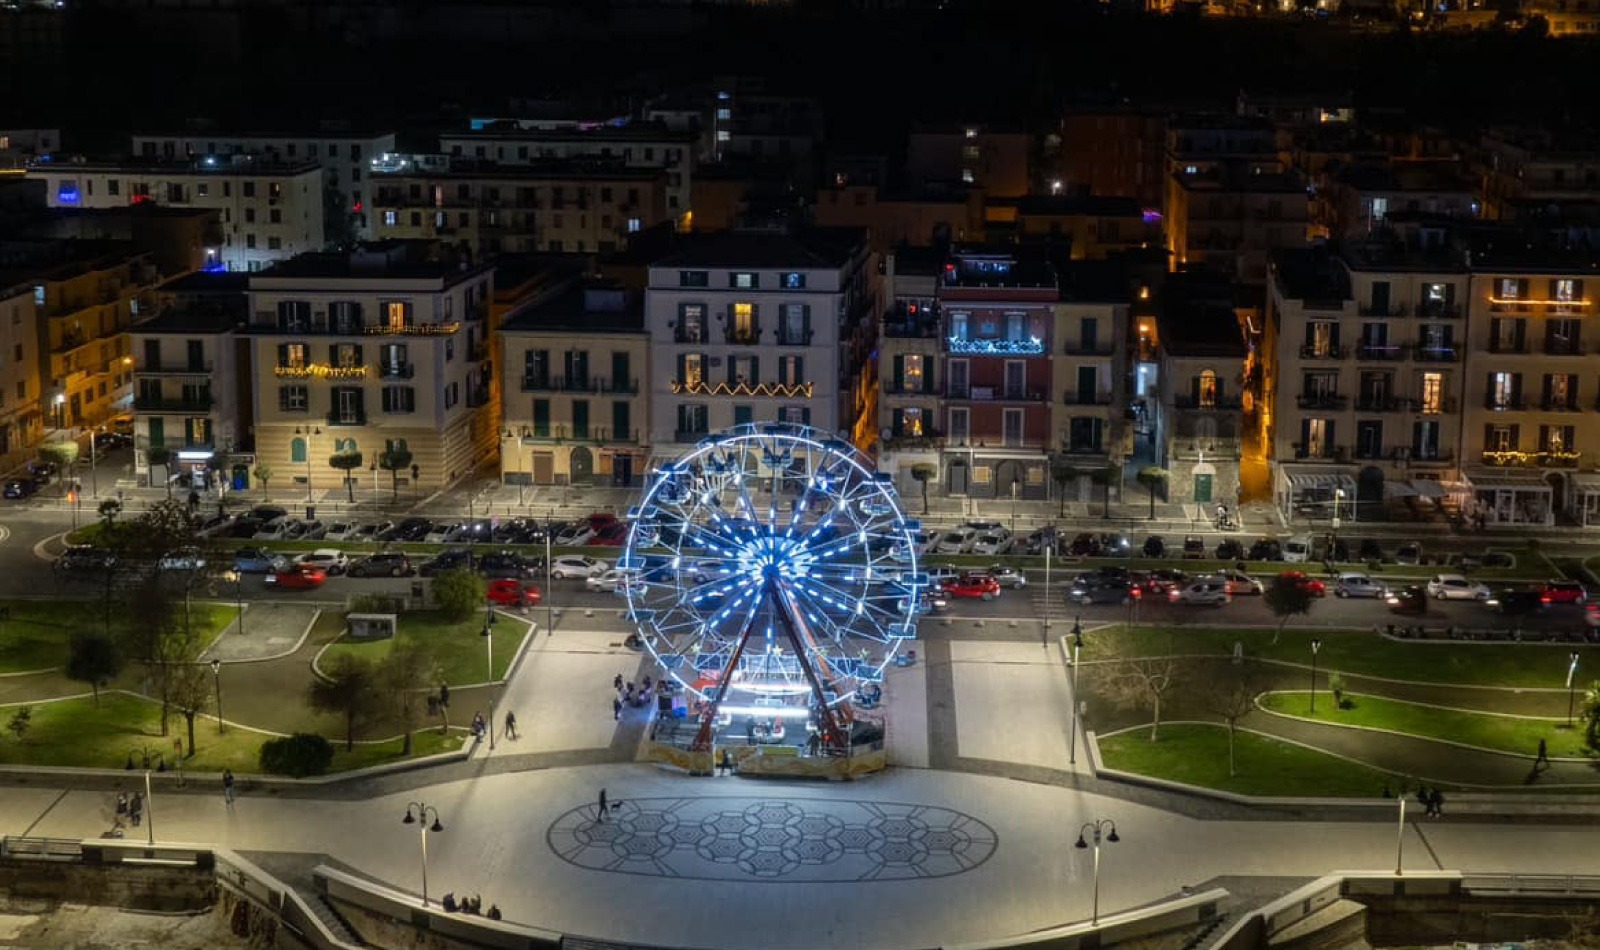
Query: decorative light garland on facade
{"points": [[1033, 346], [415, 329], [1537, 301], [743, 389], [1511, 457], [320, 371]]}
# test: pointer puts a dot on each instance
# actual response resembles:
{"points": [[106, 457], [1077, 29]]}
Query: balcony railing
{"points": [[174, 369], [914, 328], [1438, 311], [991, 440], [994, 394], [1385, 352], [1382, 404], [1560, 405], [689, 435], [1322, 401], [1084, 398], [1219, 404], [1497, 404], [173, 404], [795, 338], [1425, 455], [900, 388], [579, 384], [694, 335], [1508, 348], [1563, 348], [1436, 354], [347, 417], [1436, 407], [902, 441], [565, 432], [1084, 448], [1324, 352], [1090, 349], [396, 370], [743, 336], [1033, 346], [1544, 458], [1387, 310]]}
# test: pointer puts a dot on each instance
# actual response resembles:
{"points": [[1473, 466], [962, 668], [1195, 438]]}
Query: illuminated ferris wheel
{"points": [[771, 568]]}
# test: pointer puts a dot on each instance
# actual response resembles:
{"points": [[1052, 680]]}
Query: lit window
{"points": [[391, 217], [1208, 389], [395, 315], [911, 376], [911, 421]]}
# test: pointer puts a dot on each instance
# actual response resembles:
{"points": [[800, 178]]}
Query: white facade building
{"points": [[269, 212]]}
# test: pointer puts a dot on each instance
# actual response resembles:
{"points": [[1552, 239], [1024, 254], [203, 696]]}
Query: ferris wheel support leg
{"points": [[704, 737], [789, 618]]}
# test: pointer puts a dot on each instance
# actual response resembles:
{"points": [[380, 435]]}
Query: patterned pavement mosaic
{"points": [[773, 839]]}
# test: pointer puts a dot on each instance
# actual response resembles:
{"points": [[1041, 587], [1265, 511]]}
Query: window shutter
{"points": [[283, 354], [899, 421], [283, 398], [1549, 388], [1333, 336], [1522, 333], [805, 416], [1305, 438], [1332, 440], [1194, 389], [1572, 389], [1311, 334], [805, 311], [1566, 437], [683, 374], [1516, 437], [1488, 437], [755, 370], [800, 372], [359, 360], [333, 354], [1219, 390], [733, 374], [1516, 389], [899, 371]]}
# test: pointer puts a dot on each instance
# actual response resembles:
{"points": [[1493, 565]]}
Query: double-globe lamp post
{"points": [[488, 644], [1572, 683], [1094, 831], [1316, 647], [216, 676], [418, 813], [1077, 647]]}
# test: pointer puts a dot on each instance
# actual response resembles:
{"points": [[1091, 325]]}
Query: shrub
{"points": [[297, 756], [458, 593]]}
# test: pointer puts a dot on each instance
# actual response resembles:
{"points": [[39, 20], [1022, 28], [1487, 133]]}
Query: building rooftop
{"points": [[1243, 181], [209, 283], [1095, 282], [204, 315], [1406, 176], [918, 261], [997, 267], [229, 166], [1100, 206], [1552, 250], [586, 306], [1311, 274], [544, 169], [1199, 327], [1404, 252], [813, 248], [320, 130], [602, 132], [393, 259]]}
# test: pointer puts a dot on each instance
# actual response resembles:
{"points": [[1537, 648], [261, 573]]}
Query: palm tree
{"points": [[1153, 477]]}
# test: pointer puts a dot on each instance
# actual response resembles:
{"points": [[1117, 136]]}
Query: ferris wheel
{"points": [[772, 568]]}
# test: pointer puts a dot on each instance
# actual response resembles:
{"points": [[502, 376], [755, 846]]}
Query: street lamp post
{"points": [[308, 432], [1050, 542], [61, 411], [1316, 646], [1338, 495], [1015, 484], [549, 589], [417, 814], [1077, 645], [1572, 683], [149, 801], [94, 464], [237, 580], [488, 644], [216, 676], [1095, 829], [1400, 841]]}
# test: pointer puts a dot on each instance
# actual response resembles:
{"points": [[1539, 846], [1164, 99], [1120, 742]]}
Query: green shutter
{"points": [[755, 370], [899, 372]]}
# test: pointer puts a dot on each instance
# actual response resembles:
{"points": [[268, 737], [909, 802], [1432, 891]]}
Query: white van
{"points": [[1297, 550]]}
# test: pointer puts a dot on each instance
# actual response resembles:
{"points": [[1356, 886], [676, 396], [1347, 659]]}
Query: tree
{"points": [[1286, 597], [159, 455], [1062, 472], [404, 677], [1231, 696], [923, 472], [348, 688], [62, 454], [1141, 682], [20, 722], [263, 474], [188, 690], [1105, 478], [347, 462], [458, 592], [394, 461], [93, 658], [109, 511], [1591, 716], [1153, 477], [296, 756]]}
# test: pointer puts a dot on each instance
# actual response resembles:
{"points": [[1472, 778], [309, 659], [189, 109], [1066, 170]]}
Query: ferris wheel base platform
{"points": [[775, 760]]}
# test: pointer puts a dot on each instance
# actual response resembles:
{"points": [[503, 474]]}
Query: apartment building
{"points": [[1093, 227], [22, 423], [378, 350], [757, 326], [269, 211], [346, 156], [554, 205], [1198, 423], [997, 338], [1231, 218], [191, 400], [1359, 199], [1531, 395], [1112, 153], [641, 145], [576, 391], [1526, 171], [1089, 402], [1366, 406], [994, 159], [923, 218], [910, 353]]}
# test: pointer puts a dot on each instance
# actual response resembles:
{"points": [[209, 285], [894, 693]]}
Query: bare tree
{"points": [[1140, 683], [404, 677], [188, 689], [1230, 695], [348, 688]]}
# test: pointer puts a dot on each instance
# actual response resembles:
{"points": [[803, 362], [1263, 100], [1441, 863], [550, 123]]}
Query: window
{"points": [[1369, 439], [1322, 339], [1564, 290], [396, 315], [1318, 437], [797, 415], [275, 216], [247, 189], [345, 355], [1207, 393], [621, 420], [743, 369], [959, 424], [1016, 326], [1432, 392], [1504, 390], [792, 281], [1011, 422], [114, 186], [791, 370], [1560, 391], [958, 326], [911, 422], [694, 278], [250, 241], [913, 374], [1506, 335], [744, 324], [294, 355], [1556, 439], [1510, 288], [399, 399], [743, 280], [692, 419], [274, 243], [692, 369], [691, 323], [293, 399], [580, 418]]}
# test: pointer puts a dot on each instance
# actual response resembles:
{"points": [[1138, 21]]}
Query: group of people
{"points": [[469, 905], [635, 695]]}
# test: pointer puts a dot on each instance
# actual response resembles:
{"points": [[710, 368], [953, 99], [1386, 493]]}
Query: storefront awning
{"points": [[1321, 481], [1588, 484], [1399, 490], [1490, 479], [1428, 488]]}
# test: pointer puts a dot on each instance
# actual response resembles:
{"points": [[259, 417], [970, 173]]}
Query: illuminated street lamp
{"points": [[216, 675], [1077, 645], [1095, 829], [1316, 647], [417, 814], [1572, 681]]}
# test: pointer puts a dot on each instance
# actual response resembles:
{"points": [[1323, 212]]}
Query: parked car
{"points": [[1230, 550], [575, 536], [1297, 550], [1265, 549], [297, 577], [1154, 546], [614, 581], [1210, 590], [1409, 553], [1037, 541], [508, 564], [939, 573], [926, 541], [258, 561], [510, 592], [274, 530], [1356, 584], [1411, 599], [451, 559], [408, 530], [81, 559], [1456, 587], [330, 560], [242, 528], [956, 541], [268, 512], [973, 586], [1518, 601], [439, 533], [42, 472], [1305, 582], [1566, 592], [1008, 576], [577, 566], [1084, 545], [991, 543], [371, 532], [182, 559], [214, 525], [1159, 582], [613, 535], [1101, 592], [382, 564], [1369, 550], [1238, 582], [308, 530], [1115, 545], [341, 531], [1194, 548], [19, 488]]}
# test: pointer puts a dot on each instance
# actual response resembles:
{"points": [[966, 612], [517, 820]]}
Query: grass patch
{"points": [[1360, 652], [34, 635], [457, 645], [1501, 733], [1197, 754], [78, 733]]}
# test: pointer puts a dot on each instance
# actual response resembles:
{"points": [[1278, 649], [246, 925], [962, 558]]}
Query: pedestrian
{"points": [[1437, 804], [616, 682], [602, 805], [511, 724], [494, 912], [227, 786], [616, 707], [444, 695], [1544, 755], [122, 804], [1425, 799], [136, 809]]}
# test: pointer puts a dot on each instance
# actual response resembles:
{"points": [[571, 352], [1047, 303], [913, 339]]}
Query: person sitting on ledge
{"points": [[494, 912], [449, 902]]}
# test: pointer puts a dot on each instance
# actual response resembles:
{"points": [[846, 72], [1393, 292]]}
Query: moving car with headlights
{"points": [[382, 564], [182, 559], [577, 566], [83, 559], [297, 577], [614, 581], [1207, 591], [1101, 592], [451, 559], [331, 560], [508, 564], [258, 561], [973, 586], [1305, 582], [1357, 584], [1238, 582], [1565, 592], [1411, 599], [1009, 577], [1456, 587], [19, 488], [510, 592], [1517, 601], [1159, 582]]}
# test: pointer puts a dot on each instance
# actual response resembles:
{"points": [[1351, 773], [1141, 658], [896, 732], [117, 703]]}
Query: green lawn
{"points": [[34, 637], [459, 646], [1502, 733], [1490, 664], [1198, 755], [77, 732]]}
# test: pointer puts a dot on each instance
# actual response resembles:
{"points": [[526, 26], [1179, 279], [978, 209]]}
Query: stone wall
{"points": [[28, 886]]}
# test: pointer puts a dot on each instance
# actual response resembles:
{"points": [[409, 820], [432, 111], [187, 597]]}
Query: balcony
{"points": [[1386, 310], [1081, 348], [1438, 311], [1503, 404], [1322, 401], [690, 335], [994, 394], [1560, 405], [178, 404], [1222, 404], [396, 370], [1331, 453], [1508, 348], [174, 369], [1324, 352], [1033, 346], [913, 328], [1436, 407], [1425, 455], [347, 417], [689, 435], [1084, 398], [1084, 448], [579, 384], [1382, 404], [902, 441], [1436, 354], [1385, 352], [892, 387], [743, 336], [795, 337], [1563, 348], [1544, 458]]}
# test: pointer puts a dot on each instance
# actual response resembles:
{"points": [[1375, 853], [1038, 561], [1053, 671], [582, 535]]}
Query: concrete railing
{"points": [[249, 882], [404, 910], [1255, 929], [1114, 929]]}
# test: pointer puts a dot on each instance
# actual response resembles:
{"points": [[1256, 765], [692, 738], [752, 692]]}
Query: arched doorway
{"points": [[1205, 479], [1558, 493], [956, 479], [1369, 492], [582, 465], [1007, 474]]}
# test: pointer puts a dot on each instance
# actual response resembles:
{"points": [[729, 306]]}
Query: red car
{"points": [[1564, 592], [510, 592], [980, 586], [298, 577], [613, 535], [1306, 583]]}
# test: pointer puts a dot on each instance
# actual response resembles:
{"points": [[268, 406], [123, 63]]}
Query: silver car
{"points": [[1356, 584]]}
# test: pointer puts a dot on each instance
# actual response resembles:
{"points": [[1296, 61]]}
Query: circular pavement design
{"points": [[773, 839]]}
